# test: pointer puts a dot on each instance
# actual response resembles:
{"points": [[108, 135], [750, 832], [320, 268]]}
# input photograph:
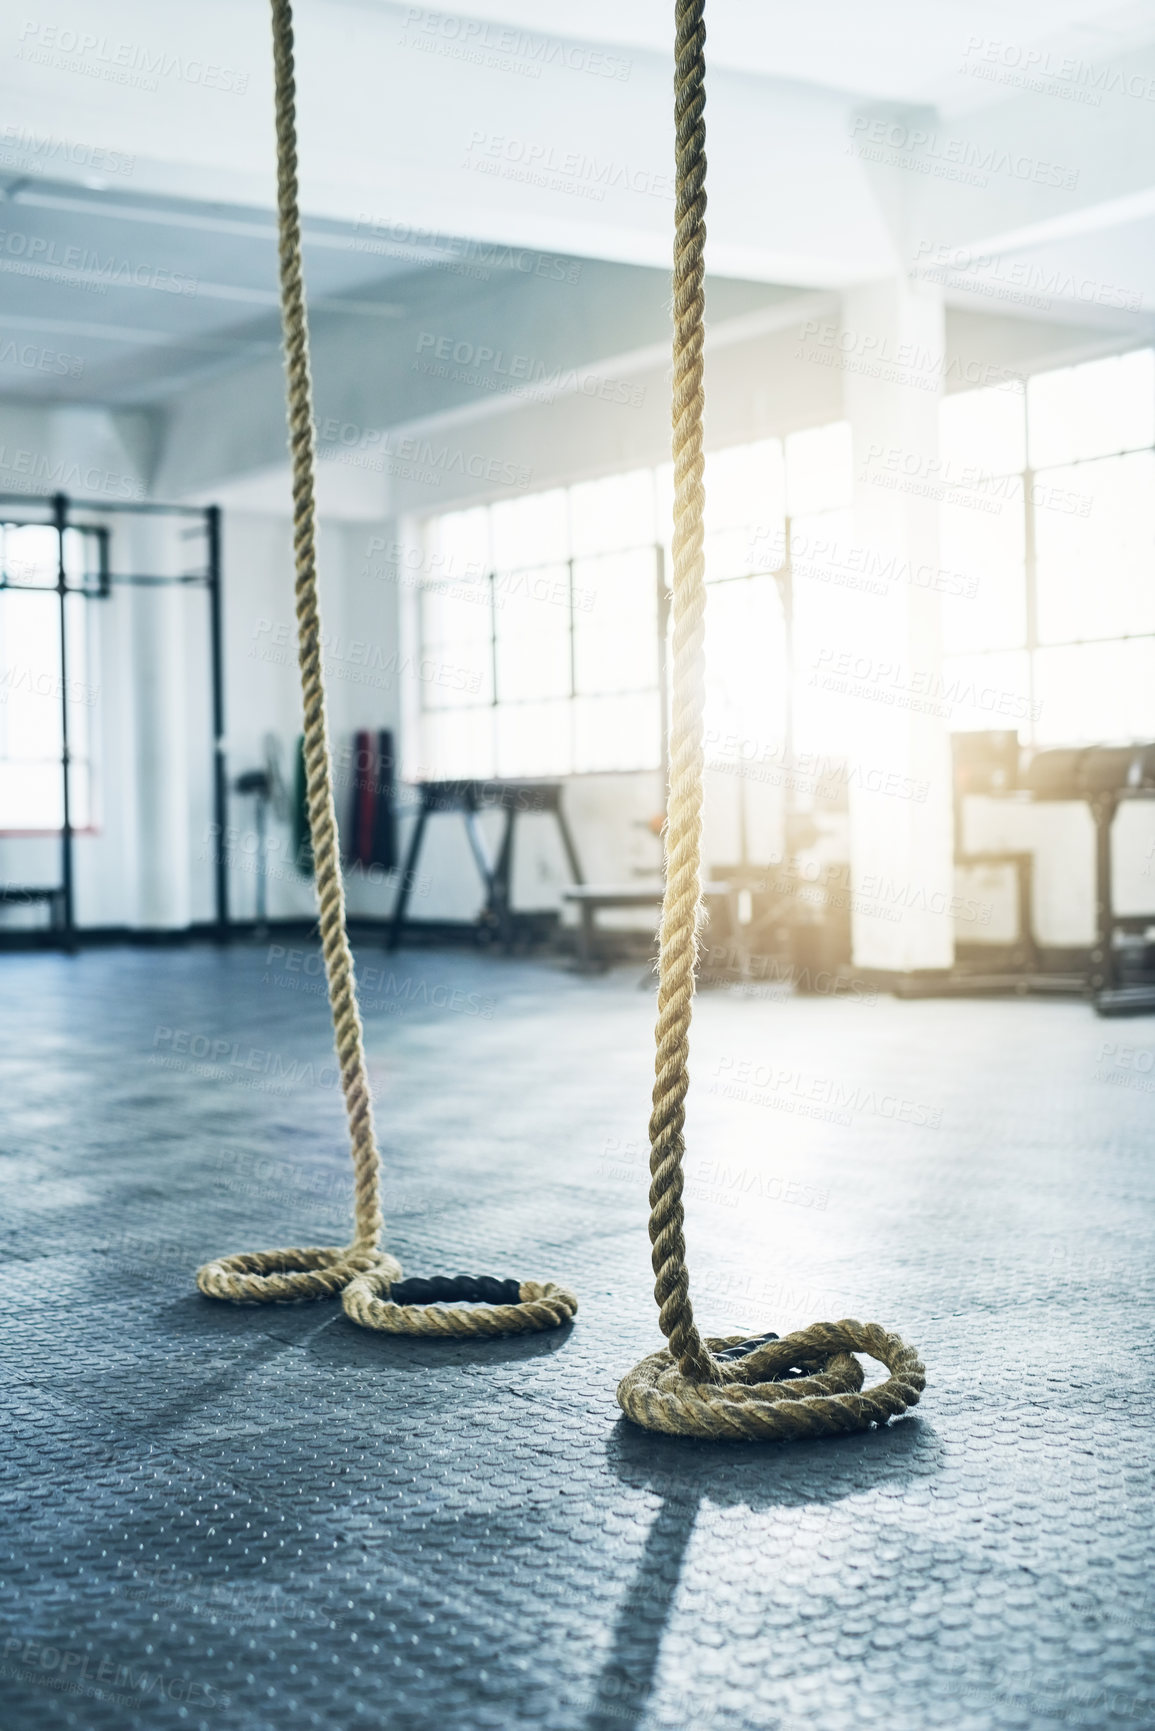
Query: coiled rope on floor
{"points": [[807, 1384], [367, 1278]]}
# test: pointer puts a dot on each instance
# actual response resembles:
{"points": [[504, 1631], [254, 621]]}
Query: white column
{"points": [[901, 838], [159, 674]]}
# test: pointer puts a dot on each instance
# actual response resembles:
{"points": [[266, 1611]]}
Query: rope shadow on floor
{"points": [[687, 1472]]}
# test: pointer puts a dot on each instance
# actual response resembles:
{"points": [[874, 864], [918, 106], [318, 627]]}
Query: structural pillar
{"points": [[901, 824], [159, 674]]}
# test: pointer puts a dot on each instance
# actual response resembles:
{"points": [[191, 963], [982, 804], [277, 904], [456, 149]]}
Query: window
{"points": [[33, 686], [539, 633], [1051, 519], [542, 618]]}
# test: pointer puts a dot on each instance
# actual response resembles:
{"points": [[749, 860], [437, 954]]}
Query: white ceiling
{"points": [[117, 144], [907, 51]]}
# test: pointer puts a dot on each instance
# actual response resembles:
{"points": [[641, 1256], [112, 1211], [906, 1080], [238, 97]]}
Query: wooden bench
{"points": [[592, 899], [24, 895]]}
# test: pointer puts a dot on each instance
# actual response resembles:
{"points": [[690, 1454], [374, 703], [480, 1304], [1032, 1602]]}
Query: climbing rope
{"points": [[366, 1276], [729, 1387]]}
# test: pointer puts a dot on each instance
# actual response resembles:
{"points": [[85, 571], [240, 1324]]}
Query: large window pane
{"points": [[1092, 410], [989, 691], [1096, 572], [840, 592], [534, 739], [617, 732], [32, 689], [982, 577], [616, 629], [744, 485], [457, 635], [1096, 692], [457, 545], [531, 622], [456, 743], [984, 431], [819, 470], [533, 530], [745, 669], [617, 512]]}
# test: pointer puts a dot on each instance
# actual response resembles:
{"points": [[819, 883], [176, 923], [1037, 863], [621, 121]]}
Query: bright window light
{"points": [[545, 609], [1094, 410], [32, 683], [1096, 691], [1096, 564], [984, 432], [982, 555], [819, 470]]}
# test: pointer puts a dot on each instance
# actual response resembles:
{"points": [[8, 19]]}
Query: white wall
{"points": [[762, 380]]}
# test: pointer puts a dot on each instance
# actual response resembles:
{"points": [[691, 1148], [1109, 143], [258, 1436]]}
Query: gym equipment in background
{"points": [[365, 1275], [1120, 971], [498, 918], [373, 818], [808, 1384], [269, 792], [87, 571]]}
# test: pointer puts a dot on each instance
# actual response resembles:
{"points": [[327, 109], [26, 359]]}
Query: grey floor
{"points": [[267, 1518]]}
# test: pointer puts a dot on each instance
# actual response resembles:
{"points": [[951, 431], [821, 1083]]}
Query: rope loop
{"points": [[361, 1271], [283, 1276], [728, 1387], [752, 1399], [372, 1300]]}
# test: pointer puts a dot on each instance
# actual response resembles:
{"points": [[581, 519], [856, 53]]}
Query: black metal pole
{"points": [[1104, 963], [67, 905], [220, 778]]}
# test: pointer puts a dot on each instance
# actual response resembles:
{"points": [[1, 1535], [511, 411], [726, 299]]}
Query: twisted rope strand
{"points": [[362, 1273], [685, 1389], [312, 1271], [681, 903], [318, 776]]}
